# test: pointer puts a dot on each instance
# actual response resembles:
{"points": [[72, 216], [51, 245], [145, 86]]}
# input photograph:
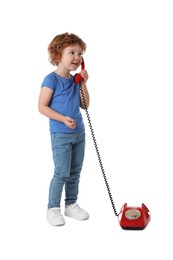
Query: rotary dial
{"points": [[132, 214]]}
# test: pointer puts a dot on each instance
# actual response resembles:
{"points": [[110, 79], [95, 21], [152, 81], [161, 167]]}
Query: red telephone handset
{"points": [[77, 77]]}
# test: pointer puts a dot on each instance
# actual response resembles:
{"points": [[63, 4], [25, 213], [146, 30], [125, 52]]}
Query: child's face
{"points": [[71, 57]]}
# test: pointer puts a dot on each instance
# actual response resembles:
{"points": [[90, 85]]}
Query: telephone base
{"points": [[134, 218]]}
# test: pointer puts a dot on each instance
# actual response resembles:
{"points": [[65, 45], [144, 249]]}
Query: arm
{"points": [[43, 107], [86, 95]]}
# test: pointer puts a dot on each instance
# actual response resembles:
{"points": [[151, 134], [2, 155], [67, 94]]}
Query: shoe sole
{"points": [[71, 216]]}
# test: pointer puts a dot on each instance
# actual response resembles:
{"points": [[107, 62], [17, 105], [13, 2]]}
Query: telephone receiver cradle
{"points": [[131, 218]]}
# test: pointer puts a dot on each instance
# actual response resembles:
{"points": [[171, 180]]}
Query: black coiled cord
{"points": [[97, 151]]}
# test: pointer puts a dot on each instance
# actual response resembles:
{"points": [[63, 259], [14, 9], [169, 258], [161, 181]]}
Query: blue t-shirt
{"points": [[65, 100]]}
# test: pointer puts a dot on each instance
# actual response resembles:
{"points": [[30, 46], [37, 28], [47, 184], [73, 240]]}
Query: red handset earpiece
{"points": [[77, 77]]}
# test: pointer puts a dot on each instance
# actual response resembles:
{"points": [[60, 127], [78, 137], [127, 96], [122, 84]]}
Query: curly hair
{"points": [[61, 41]]}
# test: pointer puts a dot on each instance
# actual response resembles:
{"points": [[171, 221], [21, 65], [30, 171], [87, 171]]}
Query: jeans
{"points": [[68, 154]]}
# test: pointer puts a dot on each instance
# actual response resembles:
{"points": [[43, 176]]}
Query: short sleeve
{"points": [[49, 82]]}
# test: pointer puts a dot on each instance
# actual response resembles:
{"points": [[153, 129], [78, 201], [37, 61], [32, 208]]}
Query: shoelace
{"points": [[78, 208], [57, 212]]}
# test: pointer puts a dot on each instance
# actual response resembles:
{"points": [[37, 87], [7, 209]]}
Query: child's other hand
{"points": [[69, 122]]}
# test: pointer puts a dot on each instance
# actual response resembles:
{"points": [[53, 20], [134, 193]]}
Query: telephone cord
{"points": [[97, 151]]}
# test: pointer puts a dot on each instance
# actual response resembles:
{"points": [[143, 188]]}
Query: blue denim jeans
{"points": [[68, 154]]}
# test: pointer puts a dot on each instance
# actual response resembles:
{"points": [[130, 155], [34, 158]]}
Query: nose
{"points": [[78, 60]]}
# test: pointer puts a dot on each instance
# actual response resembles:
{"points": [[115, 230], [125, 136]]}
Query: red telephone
{"points": [[77, 77], [134, 217]]}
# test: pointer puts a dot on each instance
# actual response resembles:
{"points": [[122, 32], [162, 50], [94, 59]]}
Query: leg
{"points": [[61, 149], [72, 184]]}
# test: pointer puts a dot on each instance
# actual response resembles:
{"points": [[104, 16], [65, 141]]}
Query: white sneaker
{"points": [[74, 211], [54, 217]]}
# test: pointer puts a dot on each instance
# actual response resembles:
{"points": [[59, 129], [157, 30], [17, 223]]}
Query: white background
{"points": [[129, 59]]}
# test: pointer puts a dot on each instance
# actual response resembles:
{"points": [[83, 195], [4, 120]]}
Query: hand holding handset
{"points": [[129, 217], [78, 77]]}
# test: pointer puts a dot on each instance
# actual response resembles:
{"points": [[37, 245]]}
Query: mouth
{"points": [[75, 63]]}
